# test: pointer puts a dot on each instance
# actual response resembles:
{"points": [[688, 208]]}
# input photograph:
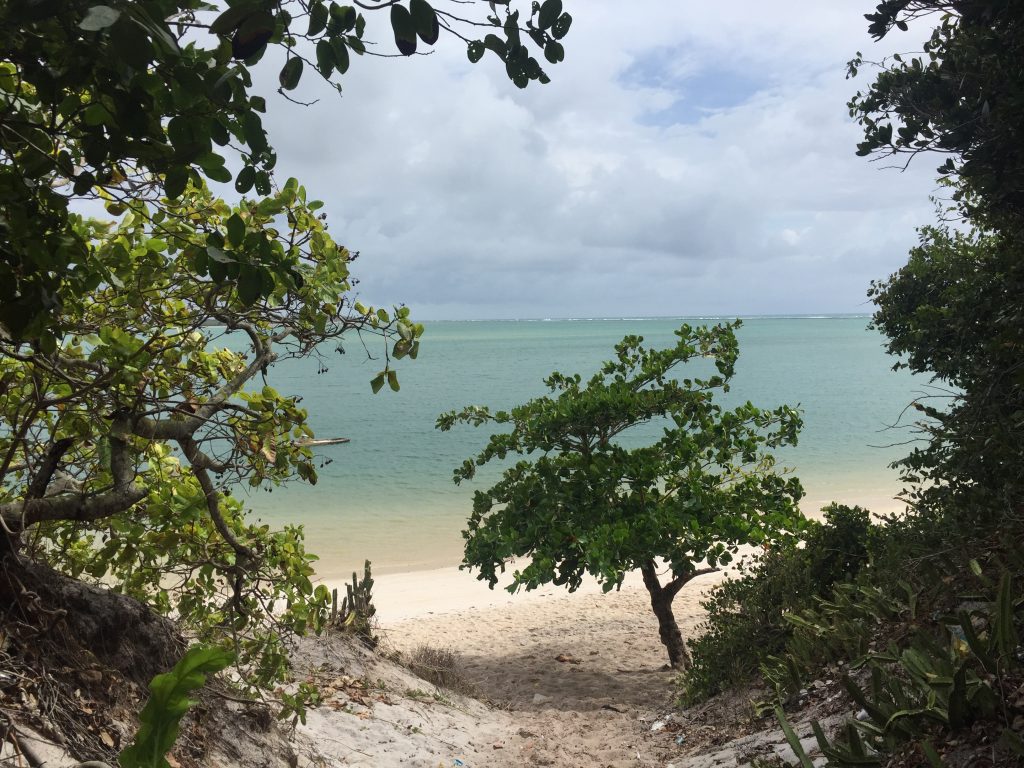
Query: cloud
{"points": [[686, 159]]}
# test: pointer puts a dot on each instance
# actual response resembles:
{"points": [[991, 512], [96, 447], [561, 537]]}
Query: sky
{"points": [[688, 158]]}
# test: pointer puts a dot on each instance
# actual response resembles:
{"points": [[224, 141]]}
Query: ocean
{"points": [[388, 496]]}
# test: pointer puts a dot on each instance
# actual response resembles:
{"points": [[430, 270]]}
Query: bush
{"points": [[745, 615]]}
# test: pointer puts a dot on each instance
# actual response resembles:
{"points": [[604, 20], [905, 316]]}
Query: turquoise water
{"points": [[388, 494]]}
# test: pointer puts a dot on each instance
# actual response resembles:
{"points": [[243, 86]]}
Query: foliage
{"points": [[589, 504], [132, 100], [954, 311], [745, 615], [121, 444], [962, 97], [951, 673], [134, 352], [168, 702]]}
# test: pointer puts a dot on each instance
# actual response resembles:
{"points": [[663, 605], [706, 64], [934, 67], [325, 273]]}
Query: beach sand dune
{"points": [[582, 675]]}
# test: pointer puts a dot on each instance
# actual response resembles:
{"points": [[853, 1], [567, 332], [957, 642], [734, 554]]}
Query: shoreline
{"points": [[435, 582]]}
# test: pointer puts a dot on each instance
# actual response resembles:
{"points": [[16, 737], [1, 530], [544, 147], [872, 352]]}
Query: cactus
{"points": [[357, 608]]}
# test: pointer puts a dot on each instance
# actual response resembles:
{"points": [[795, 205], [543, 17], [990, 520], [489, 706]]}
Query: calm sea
{"points": [[388, 494]]}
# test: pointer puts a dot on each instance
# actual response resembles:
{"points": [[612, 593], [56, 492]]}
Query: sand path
{"points": [[583, 676]]}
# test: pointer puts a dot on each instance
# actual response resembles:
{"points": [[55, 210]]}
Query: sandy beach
{"points": [[554, 678]]}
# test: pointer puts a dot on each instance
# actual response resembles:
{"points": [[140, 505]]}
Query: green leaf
{"points": [[99, 17], [340, 54], [290, 73], [250, 284], [425, 19], [393, 381], [405, 30], [218, 255], [554, 52], [345, 16], [496, 44], [324, 57], [217, 173], [1003, 619], [475, 50], [318, 16], [255, 136], [252, 35], [230, 20], [245, 179], [561, 27], [549, 13], [168, 702], [236, 230], [791, 737], [262, 183], [378, 382]]}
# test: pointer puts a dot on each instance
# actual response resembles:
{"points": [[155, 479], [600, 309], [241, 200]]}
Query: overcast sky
{"points": [[688, 158]]}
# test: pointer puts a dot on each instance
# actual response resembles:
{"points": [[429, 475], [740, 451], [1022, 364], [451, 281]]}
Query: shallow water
{"points": [[388, 494]]}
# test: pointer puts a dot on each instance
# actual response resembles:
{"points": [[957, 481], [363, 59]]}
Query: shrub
{"points": [[441, 666], [745, 615]]}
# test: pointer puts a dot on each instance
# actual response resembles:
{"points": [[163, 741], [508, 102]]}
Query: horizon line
{"points": [[724, 316]]}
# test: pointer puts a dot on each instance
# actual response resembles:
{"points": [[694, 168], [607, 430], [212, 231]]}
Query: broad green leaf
{"points": [[245, 179], [340, 54], [561, 27], [324, 58], [250, 284], [475, 50], [168, 702], [236, 230], [554, 52], [404, 28], [318, 15], [291, 72], [425, 20], [549, 13]]}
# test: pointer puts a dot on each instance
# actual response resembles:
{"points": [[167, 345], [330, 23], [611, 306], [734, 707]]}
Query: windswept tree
{"points": [[584, 502]]}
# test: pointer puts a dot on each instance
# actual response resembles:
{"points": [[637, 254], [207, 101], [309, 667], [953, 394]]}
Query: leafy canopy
{"points": [[135, 352], [962, 97], [121, 446], [585, 503], [955, 309], [129, 100]]}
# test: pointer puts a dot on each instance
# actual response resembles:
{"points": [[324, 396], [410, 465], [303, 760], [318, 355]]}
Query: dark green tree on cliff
{"points": [[581, 502]]}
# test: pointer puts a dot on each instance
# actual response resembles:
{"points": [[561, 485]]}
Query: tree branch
{"points": [[37, 488]]}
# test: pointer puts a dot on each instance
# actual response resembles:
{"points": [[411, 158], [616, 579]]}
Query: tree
{"points": [[125, 422], [131, 99], [122, 445], [962, 97], [955, 309], [590, 504]]}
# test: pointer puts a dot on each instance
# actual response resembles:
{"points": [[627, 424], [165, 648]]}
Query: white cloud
{"points": [[470, 198]]}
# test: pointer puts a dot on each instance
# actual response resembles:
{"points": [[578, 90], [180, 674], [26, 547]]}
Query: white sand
{"points": [[572, 679]]}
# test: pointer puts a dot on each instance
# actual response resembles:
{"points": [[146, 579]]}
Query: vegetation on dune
{"points": [[137, 348], [676, 508], [930, 632]]}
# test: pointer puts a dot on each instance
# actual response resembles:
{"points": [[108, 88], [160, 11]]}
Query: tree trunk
{"points": [[661, 602]]}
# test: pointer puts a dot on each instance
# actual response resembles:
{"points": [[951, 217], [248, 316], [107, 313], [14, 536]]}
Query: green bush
{"points": [[745, 615]]}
